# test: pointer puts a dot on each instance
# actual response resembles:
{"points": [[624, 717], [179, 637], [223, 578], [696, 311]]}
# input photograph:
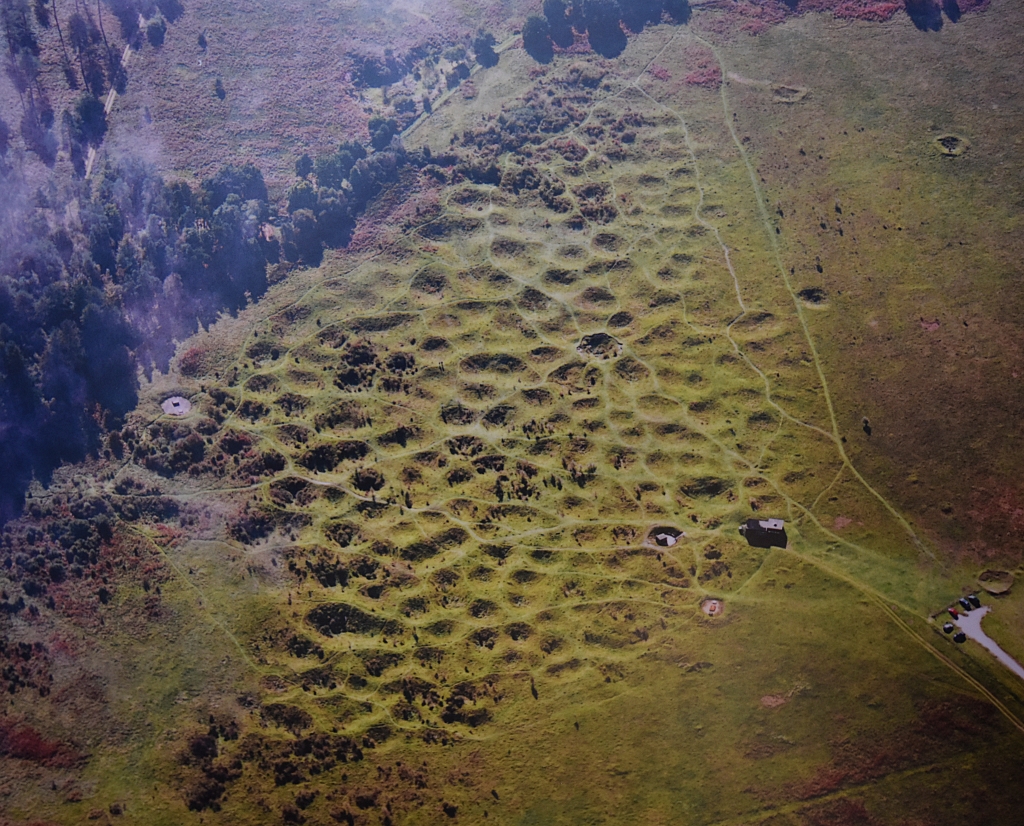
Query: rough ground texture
{"points": [[394, 565]]}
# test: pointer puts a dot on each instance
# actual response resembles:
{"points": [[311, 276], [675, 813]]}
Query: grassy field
{"points": [[411, 579]]}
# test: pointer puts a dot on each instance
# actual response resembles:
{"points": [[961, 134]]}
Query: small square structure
{"points": [[765, 533], [176, 406]]}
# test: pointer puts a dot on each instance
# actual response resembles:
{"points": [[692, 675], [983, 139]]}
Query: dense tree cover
{"points": [[333, 189], [604, 21], [604, 30], [638, 13], [90, 292], [678, 10], [556, 13], [382, 130], [381, 71], [100, 277]]}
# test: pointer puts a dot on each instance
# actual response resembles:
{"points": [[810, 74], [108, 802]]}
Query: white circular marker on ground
{"points": [[176, 406]]}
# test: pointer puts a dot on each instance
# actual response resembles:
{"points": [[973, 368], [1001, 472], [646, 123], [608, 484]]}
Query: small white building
{"points": [[176, 406]]}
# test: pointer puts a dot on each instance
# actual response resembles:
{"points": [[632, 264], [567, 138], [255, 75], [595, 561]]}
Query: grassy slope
{"points": [[815, 698], [925, 239]]}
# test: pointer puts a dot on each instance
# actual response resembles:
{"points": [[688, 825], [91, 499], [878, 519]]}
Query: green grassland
{"points": [[435, 598]]}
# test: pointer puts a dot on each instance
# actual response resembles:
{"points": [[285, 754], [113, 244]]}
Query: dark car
{"points": [[948, 627], [964, 604], [959, 636], [973, 599]]}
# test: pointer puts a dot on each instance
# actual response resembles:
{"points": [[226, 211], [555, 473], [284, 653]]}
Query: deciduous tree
{"points": [[537, 39]]}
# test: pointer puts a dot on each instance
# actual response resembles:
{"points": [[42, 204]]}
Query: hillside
{"points": [[443, 384]]}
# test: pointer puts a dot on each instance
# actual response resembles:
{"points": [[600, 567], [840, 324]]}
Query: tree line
{"points": [[604, 22]]}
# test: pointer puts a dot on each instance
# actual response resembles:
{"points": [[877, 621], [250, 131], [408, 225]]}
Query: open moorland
{"points": [[396, 563]]}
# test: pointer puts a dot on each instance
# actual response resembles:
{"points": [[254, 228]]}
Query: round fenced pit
{"points": [[996, 583], [951, 145], [664, 536], [712, 607], [176, 406]]}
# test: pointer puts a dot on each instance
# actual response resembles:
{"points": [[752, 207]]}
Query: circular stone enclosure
{"points": [[712, 607], [951, 145], [996, 583], [176, 406], [664, 536]]}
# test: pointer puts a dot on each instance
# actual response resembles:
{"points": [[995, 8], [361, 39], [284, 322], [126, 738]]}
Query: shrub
{"points": [[156, 31], [537, 39], [483, 47], [382, 130]]}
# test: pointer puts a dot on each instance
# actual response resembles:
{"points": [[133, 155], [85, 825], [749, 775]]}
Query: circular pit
{"points": [[176, 406], [712, 607]]}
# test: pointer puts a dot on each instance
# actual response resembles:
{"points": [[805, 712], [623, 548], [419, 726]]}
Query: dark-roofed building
{"points": [[765, 533]]}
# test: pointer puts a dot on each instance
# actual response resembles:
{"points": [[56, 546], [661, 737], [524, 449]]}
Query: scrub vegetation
{"points": [[454, 371]]}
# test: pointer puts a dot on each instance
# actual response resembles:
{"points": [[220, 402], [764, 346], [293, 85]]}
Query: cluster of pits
{"points": [[463, 474]]}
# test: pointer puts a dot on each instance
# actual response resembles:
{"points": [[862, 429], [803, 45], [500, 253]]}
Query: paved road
{"points": [[970, 624]]}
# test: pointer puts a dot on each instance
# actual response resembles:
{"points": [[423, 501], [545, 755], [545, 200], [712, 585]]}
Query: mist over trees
{"points": [[100, 278], [86, 300]]}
